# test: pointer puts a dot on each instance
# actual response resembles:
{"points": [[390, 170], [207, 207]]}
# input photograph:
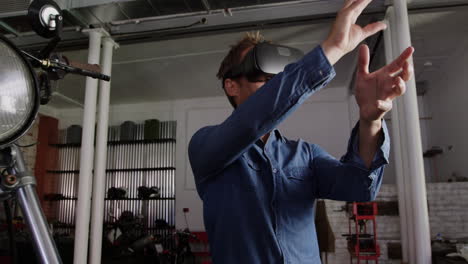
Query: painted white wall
{"points": [[390, 177], [447, 98]]}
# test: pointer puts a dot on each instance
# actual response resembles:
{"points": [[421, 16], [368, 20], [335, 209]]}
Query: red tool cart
{"points": [[361, 244]]}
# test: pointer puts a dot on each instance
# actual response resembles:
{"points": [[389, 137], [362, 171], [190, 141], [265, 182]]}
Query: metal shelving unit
{"points": [[130, 164], [114, 170]]}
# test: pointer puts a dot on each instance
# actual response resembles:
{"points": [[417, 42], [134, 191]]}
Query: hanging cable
{"points": [[27, 146]]}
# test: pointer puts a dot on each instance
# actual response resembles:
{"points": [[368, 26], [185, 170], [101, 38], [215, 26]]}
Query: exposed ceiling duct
{"points": [[149, 20]]}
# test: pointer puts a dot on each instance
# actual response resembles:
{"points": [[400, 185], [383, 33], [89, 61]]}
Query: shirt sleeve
{"points": [[348, 179], [213, 148]]}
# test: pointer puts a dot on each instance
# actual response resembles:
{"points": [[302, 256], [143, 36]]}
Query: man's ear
{"points": [[232, 87]]}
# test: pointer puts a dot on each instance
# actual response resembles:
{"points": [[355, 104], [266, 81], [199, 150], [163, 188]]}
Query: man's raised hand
{"points": [[375, 91], [345, 35]]}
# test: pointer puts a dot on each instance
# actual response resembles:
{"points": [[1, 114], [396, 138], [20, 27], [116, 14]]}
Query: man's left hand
{"points": [[375, 91]]}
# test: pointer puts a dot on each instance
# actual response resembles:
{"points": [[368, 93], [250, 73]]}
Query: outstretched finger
{"points": [[356, 8], [407, 71], [348, 3], [373, 28], [399, 62], [364, 57]]}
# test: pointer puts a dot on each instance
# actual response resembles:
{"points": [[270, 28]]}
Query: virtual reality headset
{"points": [[264, 59]]}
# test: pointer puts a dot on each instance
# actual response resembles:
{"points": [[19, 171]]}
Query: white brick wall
{"points": [[448, 215], [448, 209]]}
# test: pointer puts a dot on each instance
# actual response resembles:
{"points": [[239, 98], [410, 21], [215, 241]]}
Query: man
{"points": [[257, 187]]}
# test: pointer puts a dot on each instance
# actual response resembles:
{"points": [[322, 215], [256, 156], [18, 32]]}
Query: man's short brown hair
{"points": [[234, 57]]}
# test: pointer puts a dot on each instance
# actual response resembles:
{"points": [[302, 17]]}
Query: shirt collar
{"points": [[279, 135]]}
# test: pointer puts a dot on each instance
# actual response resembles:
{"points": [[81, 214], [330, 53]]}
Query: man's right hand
{"points": [[345, 35]]}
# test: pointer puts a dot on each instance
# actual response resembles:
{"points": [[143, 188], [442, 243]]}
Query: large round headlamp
{"points": [[19, 93]]}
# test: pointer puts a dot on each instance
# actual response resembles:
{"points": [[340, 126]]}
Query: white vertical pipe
{"points": [[86, 155], [389, 56], [406, 181], [400, 126], [411, 133], [99, 183]]}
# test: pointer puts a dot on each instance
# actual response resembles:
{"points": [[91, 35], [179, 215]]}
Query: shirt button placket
{"points": [[274, 203]]}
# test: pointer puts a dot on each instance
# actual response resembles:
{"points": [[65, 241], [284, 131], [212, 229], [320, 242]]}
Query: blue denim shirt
{"points": [[258, 198]]}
